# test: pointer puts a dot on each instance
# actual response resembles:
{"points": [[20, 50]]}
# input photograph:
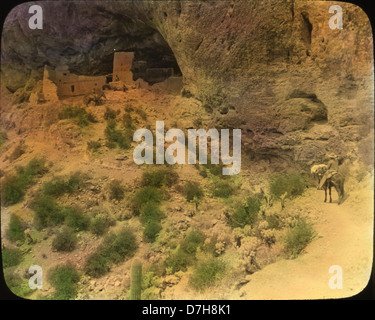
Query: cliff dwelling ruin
{"points": [[60, 83]]}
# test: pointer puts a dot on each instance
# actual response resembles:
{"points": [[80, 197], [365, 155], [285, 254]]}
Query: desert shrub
{"points": [[11, 257], [97, 96], [75, 218], [150, 212], [179, 260], [184, 255], [150, 216], [151, 230], [142, 114], [117, 137], [159, 177], [97, 265], [274, 221], [15, 186], [60, 186], [299, 237], [128, 121], [16, 229], [192, 241], [110, 113], [114, 249], [207, 273], [17, 284], [64, 279], [246, 213], [116, 190], [213, 169], [65, 240], [222, 189], [294, 184], [146, 202], [93, 146], [193, 190], [145, 195], [47, 212], [119, 246], [100, 224], [150, 282], [80, 115]]}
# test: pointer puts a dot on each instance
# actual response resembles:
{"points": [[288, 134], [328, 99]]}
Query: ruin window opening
{"points": [[72, 88]]}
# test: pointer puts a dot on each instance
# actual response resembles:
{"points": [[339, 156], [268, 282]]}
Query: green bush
{"points": [[64, 279], [159, 177], [117, 137], [100, 224], [246, 213], [146, 195], [11, 257], [93, 146], [75, 218], [150, 212], [80, 115], [142, 114], [47, 212], [274, 222], [128, 121], [151, 230], [119, 246], [192, 241], [59, 186], [110, 113], [15, 186], [193, 190], [299, 237], [179, 260], [222, 189], [65, 240], [16, 229], [213, 169], [114, 249], [292, 183], [184, 255], [97, 265], [150, 217], [207, 273], [116, 190]]}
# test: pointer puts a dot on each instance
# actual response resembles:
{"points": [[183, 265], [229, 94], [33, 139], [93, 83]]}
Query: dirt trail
{"points": [[344, 238]]}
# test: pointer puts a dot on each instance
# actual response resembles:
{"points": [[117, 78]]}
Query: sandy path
{"points": [[345, 236]]}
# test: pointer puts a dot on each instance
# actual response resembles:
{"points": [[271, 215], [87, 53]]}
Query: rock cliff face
{"points": [[273, 68]]}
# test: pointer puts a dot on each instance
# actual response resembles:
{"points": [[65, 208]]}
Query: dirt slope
{"points": [[345, 234]]}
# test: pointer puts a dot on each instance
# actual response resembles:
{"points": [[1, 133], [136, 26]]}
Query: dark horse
{"points": [[336, 181]]}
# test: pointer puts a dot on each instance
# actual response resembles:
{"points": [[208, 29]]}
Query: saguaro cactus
{"points": [[136, 281]]}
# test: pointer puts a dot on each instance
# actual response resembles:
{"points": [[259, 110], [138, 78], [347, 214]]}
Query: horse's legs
{"points": [[325, 194], [330, 197]]}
